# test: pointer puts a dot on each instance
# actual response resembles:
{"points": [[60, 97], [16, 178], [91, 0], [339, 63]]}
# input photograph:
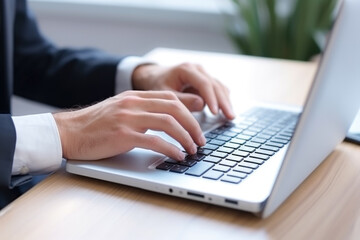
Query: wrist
{"points": [[141, 76], [63, 120]]}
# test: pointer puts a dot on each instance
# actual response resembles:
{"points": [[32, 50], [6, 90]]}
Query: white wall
{"points": [[136, 30]]}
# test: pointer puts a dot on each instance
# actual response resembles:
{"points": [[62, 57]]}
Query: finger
{"points": [[157, 144], [193, 102], [222, 94], [177, 110], [167, 124], [195, 78]]}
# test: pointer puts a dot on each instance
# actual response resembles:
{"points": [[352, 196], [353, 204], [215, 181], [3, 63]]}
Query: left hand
{"points": [[191, 84]]}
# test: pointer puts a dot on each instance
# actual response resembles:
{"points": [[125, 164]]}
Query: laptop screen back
{"points": [[330, 107]]}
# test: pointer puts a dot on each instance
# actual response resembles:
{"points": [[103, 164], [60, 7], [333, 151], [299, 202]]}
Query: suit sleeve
{"points": [[7, 148], [60, 77]]}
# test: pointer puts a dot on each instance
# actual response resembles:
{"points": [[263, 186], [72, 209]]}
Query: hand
{"points": [[192, 85], [117, 125]]}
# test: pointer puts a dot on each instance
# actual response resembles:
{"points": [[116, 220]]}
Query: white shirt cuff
{"points": [[123, 79], [38, 146]]}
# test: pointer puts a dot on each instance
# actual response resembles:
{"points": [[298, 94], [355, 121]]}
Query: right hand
{"points": [[118, 124]]}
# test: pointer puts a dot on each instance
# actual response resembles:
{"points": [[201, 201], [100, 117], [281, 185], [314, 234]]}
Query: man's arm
{"points": [[60, 77]]}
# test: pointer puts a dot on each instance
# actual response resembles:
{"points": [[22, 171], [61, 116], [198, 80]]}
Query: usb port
{"points": [[195, 195], [231, 201]]}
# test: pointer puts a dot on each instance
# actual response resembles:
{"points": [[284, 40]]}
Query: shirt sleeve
{"points": [[125, 70], [38, 146]]}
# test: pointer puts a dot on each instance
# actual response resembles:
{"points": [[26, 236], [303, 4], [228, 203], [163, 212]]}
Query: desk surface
{"points": [[325, 206]]}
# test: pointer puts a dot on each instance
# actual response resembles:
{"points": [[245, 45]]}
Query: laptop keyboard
{"points": [[235, 150]]}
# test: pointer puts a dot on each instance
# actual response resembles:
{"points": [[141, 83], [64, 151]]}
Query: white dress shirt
{"points": [[38, 146]]}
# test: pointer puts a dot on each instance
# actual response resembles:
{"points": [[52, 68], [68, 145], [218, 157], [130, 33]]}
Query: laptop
{"points": [[256, 161]]}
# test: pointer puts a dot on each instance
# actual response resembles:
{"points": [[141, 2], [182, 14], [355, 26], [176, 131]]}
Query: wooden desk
{"points": [[325, 206]]}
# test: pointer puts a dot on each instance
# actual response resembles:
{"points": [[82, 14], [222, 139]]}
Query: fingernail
{"points": [[232, 114], [181, 156], [198, 104], [193, 149], [202, 140], [215, 108]]}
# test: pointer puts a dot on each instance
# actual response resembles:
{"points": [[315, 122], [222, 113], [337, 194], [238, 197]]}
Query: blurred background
{"points": [[135, 26], [292, 29]]}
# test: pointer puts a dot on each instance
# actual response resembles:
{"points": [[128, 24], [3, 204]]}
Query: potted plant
{"points": [[290, 29]]}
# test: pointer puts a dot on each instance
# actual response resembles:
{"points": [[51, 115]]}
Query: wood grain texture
{"points": [[325, 206]]}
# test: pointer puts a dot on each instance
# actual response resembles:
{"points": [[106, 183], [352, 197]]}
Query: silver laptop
{"points": [[255, 162]]}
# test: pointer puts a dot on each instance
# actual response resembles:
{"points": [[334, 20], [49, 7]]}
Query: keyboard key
{"points": [[249, 120], [260, 125], [208, 139], [241, 153], [196, 156], [219, 154], [188, 162], [265, 152], [178, 168], [203, 151], [230, 179], [274, 144], [228, 163], [260, 156], [234, 158], [223, 128], [232, 145], [282, 138], [165, 166], [199, 169], [223, 138], [252, 144], [258, 140], [286, 134], [210, 146], [269, 132], [217, 142], [238, 141], [210, 135], [221, 168], [242, 136], [225, 149], [254, 160], [243, 169], [237, 174], [248, 165], [230, 134], [277, 140], [217, 131], [249, 133], [212, 159], [269, 148], [264, 136], [214, 175], [275, 129], [229, 124], [236, 129], [255, 129], [247, 149]]}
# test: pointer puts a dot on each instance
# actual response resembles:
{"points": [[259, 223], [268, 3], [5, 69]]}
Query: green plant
{"points": [[280, 28]]}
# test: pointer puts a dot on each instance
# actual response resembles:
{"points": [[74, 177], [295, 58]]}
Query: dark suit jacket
{"points": [[32, 67]]}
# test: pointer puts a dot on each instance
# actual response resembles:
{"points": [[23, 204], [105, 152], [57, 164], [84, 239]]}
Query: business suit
{"points": [[32, 67]]}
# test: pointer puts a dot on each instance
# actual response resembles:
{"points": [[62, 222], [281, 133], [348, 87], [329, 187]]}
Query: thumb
{"points": [[193, 102]]}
